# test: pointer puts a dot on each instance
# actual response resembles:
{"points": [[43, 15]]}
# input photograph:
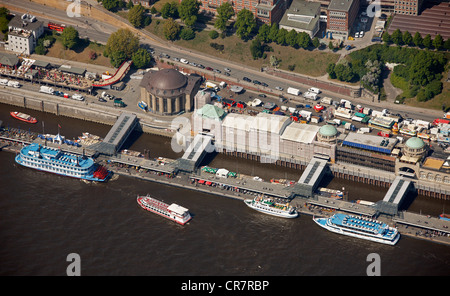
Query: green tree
{"points": [[281, 37], [130, 4], [224, 13], [397, 37], [256, 48], [330, 70], [4, 11], [141, 58], [316, 42], [171, 29], [263, 33], [386, 37], [407, 38], [245, 24], [417, 39], [111, 4], [170, 9], [447, 44], [427, 42], [69, 37], [188, 11], [291, 38], [273, 32], [136, 15], [187, 33], [120, 46], [303, 40], [438, 42]]}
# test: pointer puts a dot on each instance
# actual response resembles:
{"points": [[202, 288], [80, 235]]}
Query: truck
{"points": [[3, 81], [293, 91], [310, 95], [346, 104], [46, 89], [367, 110], [211, 85], [447, 115], [314, 90]]}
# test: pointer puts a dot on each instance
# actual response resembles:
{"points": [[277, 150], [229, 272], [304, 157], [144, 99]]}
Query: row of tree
{"points": [[406, 38]]}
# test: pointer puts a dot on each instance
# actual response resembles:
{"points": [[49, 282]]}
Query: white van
{"points": [[314, 90], [3, 81], [46, 89], [310, 95], [78, 97], [15, 84]]}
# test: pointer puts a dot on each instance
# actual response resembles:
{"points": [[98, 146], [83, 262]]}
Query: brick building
{"points": [[265, 11], [409, 7], [341, 15]]}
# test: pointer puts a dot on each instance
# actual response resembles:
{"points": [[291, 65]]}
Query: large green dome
{"points": [[415, 143], [328, 131]]}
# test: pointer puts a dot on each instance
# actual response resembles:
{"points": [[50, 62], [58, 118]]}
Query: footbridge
{"points": [[196, 151], [118, 76], [311, 177], [395, 196], [117, 135]]}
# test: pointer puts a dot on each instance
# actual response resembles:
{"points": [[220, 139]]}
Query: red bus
{"points": [[56, 27]]}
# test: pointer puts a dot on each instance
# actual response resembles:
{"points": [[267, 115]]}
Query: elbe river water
{"points": [[45, 217]]}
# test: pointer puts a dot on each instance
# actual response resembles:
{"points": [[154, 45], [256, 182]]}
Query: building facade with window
{"points": [[409, 7], [341, 15], [265, 11], [23, 33]]}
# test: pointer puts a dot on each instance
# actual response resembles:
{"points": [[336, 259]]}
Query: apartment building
{"points": [[23, 34], [408, 7]]}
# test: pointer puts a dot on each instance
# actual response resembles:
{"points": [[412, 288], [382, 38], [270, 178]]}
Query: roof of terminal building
{"points": [[303, 133]]}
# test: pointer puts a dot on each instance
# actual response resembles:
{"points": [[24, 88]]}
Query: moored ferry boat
{"points": [[268, 206], [173, 212], [54, 160], [23, 117], [360, 227]]}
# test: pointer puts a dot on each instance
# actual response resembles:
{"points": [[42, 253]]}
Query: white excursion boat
{"points": [[268, 206], [360, 227], [172, 212]]}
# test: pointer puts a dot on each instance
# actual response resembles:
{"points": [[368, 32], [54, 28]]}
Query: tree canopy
{"points": [[69, 37], [136, 15], [188, 11], [170, 9], [171, 29], [141, 58], [224, 13], [120, 46], [245, 24]]}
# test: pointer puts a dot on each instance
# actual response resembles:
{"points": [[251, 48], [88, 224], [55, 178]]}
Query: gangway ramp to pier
{"points": [[311, 177], [118, 76], [117, 135], [395, 195], [195, 152]]}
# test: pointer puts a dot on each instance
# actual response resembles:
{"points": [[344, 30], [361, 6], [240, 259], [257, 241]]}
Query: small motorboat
{"points": [[23, 117]]}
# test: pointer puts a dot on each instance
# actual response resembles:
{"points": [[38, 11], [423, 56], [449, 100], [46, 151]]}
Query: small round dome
{"points": [[328, 130], [415, 143]]}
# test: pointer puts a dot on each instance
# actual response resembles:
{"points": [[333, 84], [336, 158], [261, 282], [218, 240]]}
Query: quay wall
{"points": [[108, 115]]}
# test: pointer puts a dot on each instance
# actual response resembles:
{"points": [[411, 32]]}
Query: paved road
{"points": [[101, 31]]}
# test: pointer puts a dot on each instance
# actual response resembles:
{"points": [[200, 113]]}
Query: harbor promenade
{"points": [[244, 187]]}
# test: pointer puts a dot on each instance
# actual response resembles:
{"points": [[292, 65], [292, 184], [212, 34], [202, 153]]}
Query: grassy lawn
{"points": [[80, 53], [306, 62], [437, 101]]}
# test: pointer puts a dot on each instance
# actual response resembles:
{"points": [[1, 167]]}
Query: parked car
{"points": [[164, 55], [227, 74], [262, 95], [256, 82], [176, 59], [278, 88], [226, 69], [264, 84], [184, 61], [217, 71], [200, 66], [247, 79], [209, 68]]}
